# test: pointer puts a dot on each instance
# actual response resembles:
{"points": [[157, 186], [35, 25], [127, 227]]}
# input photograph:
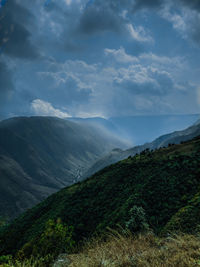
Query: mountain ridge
{"points": [[48, 152], [172, 138], [164, 183]]}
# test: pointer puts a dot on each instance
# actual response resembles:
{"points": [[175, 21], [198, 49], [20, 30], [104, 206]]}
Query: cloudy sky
{"points": [[104, 58]]}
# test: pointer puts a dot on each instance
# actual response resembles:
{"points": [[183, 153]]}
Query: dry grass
{"points": [[141, 251], [119, 250]]}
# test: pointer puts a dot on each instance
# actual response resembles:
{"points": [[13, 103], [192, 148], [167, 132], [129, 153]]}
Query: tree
{"points": [[137, 221]]}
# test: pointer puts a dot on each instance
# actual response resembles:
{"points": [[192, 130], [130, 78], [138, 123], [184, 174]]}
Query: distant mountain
{"points": [[165, 184], [105, 124], [40, 155], [142, 129], [137, 130], [162, 141]]}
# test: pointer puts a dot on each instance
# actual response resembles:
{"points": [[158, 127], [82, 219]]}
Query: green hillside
{"points": [[165, 183], [162, 141]]}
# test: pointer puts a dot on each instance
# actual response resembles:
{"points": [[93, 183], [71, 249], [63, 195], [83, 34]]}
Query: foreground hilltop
{"points": [[164, 184], [40, 155]]}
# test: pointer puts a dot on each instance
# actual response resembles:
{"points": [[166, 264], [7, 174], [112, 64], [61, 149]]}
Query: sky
{"points": [[106, 58]]}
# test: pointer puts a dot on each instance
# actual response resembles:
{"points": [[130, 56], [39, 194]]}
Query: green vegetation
{"points": [[56, 239], [137, 221], [120, 250], [43, 250], [8, 261], [153, 189]]}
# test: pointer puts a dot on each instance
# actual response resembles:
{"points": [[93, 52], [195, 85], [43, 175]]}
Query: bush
{"points": [[56, 239], [137, 221], [5, 259]]}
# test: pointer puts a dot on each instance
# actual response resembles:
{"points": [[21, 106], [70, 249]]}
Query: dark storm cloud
{"points": [[73, 36], [14, 36], [147, 4], [104, 15], [15, 43], [194, 4], [6, 86], [117, 5], [99, 17]]}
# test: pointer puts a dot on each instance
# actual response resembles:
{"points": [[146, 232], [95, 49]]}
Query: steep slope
{"points": [[40, 155], [161, 182], [162, 141], [18, 190]]}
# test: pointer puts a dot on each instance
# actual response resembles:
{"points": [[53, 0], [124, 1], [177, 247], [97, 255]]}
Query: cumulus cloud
{"points": [[144, 80], [184, 20], [160, 59], [122, 85], [105, 57], [43, 108], [120, 55], [66, 82]]}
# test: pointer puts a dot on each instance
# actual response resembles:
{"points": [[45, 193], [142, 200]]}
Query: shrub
{"points": [[56, 239], [137, 221], [5, 259]]}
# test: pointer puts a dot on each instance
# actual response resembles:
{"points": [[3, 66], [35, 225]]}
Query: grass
{"points": [[32, 262], [127, 250], [141, 251]]}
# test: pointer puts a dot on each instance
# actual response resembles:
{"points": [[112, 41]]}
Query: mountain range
{"points": [[118, 154], [40, 155], [162, 187], [137, 130]]}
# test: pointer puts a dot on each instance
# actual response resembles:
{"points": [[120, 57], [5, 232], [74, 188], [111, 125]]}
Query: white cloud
{"points": [[43, 108], [138, 33], [120, 55], [61, 73], [68, 2], [90, 115], [178, 20], [153, 58], [140, 83], [184, 20]]}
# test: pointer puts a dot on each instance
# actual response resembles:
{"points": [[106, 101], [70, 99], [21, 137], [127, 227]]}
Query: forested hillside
{"points": [[163, 184], [163, 141]]}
